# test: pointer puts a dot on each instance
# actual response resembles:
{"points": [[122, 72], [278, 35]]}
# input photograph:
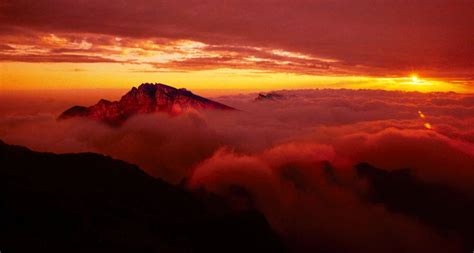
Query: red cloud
{"points": [[54, 58], [314, 205], [365, 37], [292, 158]]}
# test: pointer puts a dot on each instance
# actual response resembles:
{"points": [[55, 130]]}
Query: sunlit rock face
{"points": [[147, 98]]}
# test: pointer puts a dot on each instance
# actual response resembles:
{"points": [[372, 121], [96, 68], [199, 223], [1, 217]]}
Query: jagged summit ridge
{"points": [[147, 98]]}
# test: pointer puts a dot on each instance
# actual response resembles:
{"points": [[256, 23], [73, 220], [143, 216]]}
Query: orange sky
{"points": [[239, 45]]}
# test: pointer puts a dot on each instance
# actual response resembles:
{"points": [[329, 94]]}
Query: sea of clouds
{"points": [[274, 156]]}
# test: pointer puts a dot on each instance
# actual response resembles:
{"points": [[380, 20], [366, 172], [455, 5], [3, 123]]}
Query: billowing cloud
{"points": [[316, 207], [292, 158]]}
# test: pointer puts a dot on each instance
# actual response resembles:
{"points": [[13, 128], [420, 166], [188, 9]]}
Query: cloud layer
{"points": [[291, 158]]}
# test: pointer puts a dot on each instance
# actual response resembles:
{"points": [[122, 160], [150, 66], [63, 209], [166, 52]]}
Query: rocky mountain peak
{"points": [[147, 98]]}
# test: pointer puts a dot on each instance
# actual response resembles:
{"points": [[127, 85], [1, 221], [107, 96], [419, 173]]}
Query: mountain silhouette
{"points": [[439, 206], [272, 96], [92, 203], [147, 98]]}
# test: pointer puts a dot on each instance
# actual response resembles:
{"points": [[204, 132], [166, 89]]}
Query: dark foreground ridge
{"points": [[92, 203], [147, 98], [448, 211]]}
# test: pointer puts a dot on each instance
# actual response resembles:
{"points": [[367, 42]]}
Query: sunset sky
{"points": [[238, 45], [342, 125]]}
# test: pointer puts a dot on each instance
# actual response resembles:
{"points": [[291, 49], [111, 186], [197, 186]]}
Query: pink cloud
{"points": [[292, 158]]}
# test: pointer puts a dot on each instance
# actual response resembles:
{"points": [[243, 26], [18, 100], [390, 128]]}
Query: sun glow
{"points": [[421, 115], [112, 75], [427, 125], [415, 79], [64, 60]]}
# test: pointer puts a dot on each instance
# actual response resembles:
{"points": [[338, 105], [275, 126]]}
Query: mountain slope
{"points": [[439, 206], [92, 203], [147, 98]]}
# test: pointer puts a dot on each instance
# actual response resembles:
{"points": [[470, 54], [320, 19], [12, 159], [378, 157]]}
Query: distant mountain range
{"points": [[147, 98], [272, 96], [92, 203]]}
